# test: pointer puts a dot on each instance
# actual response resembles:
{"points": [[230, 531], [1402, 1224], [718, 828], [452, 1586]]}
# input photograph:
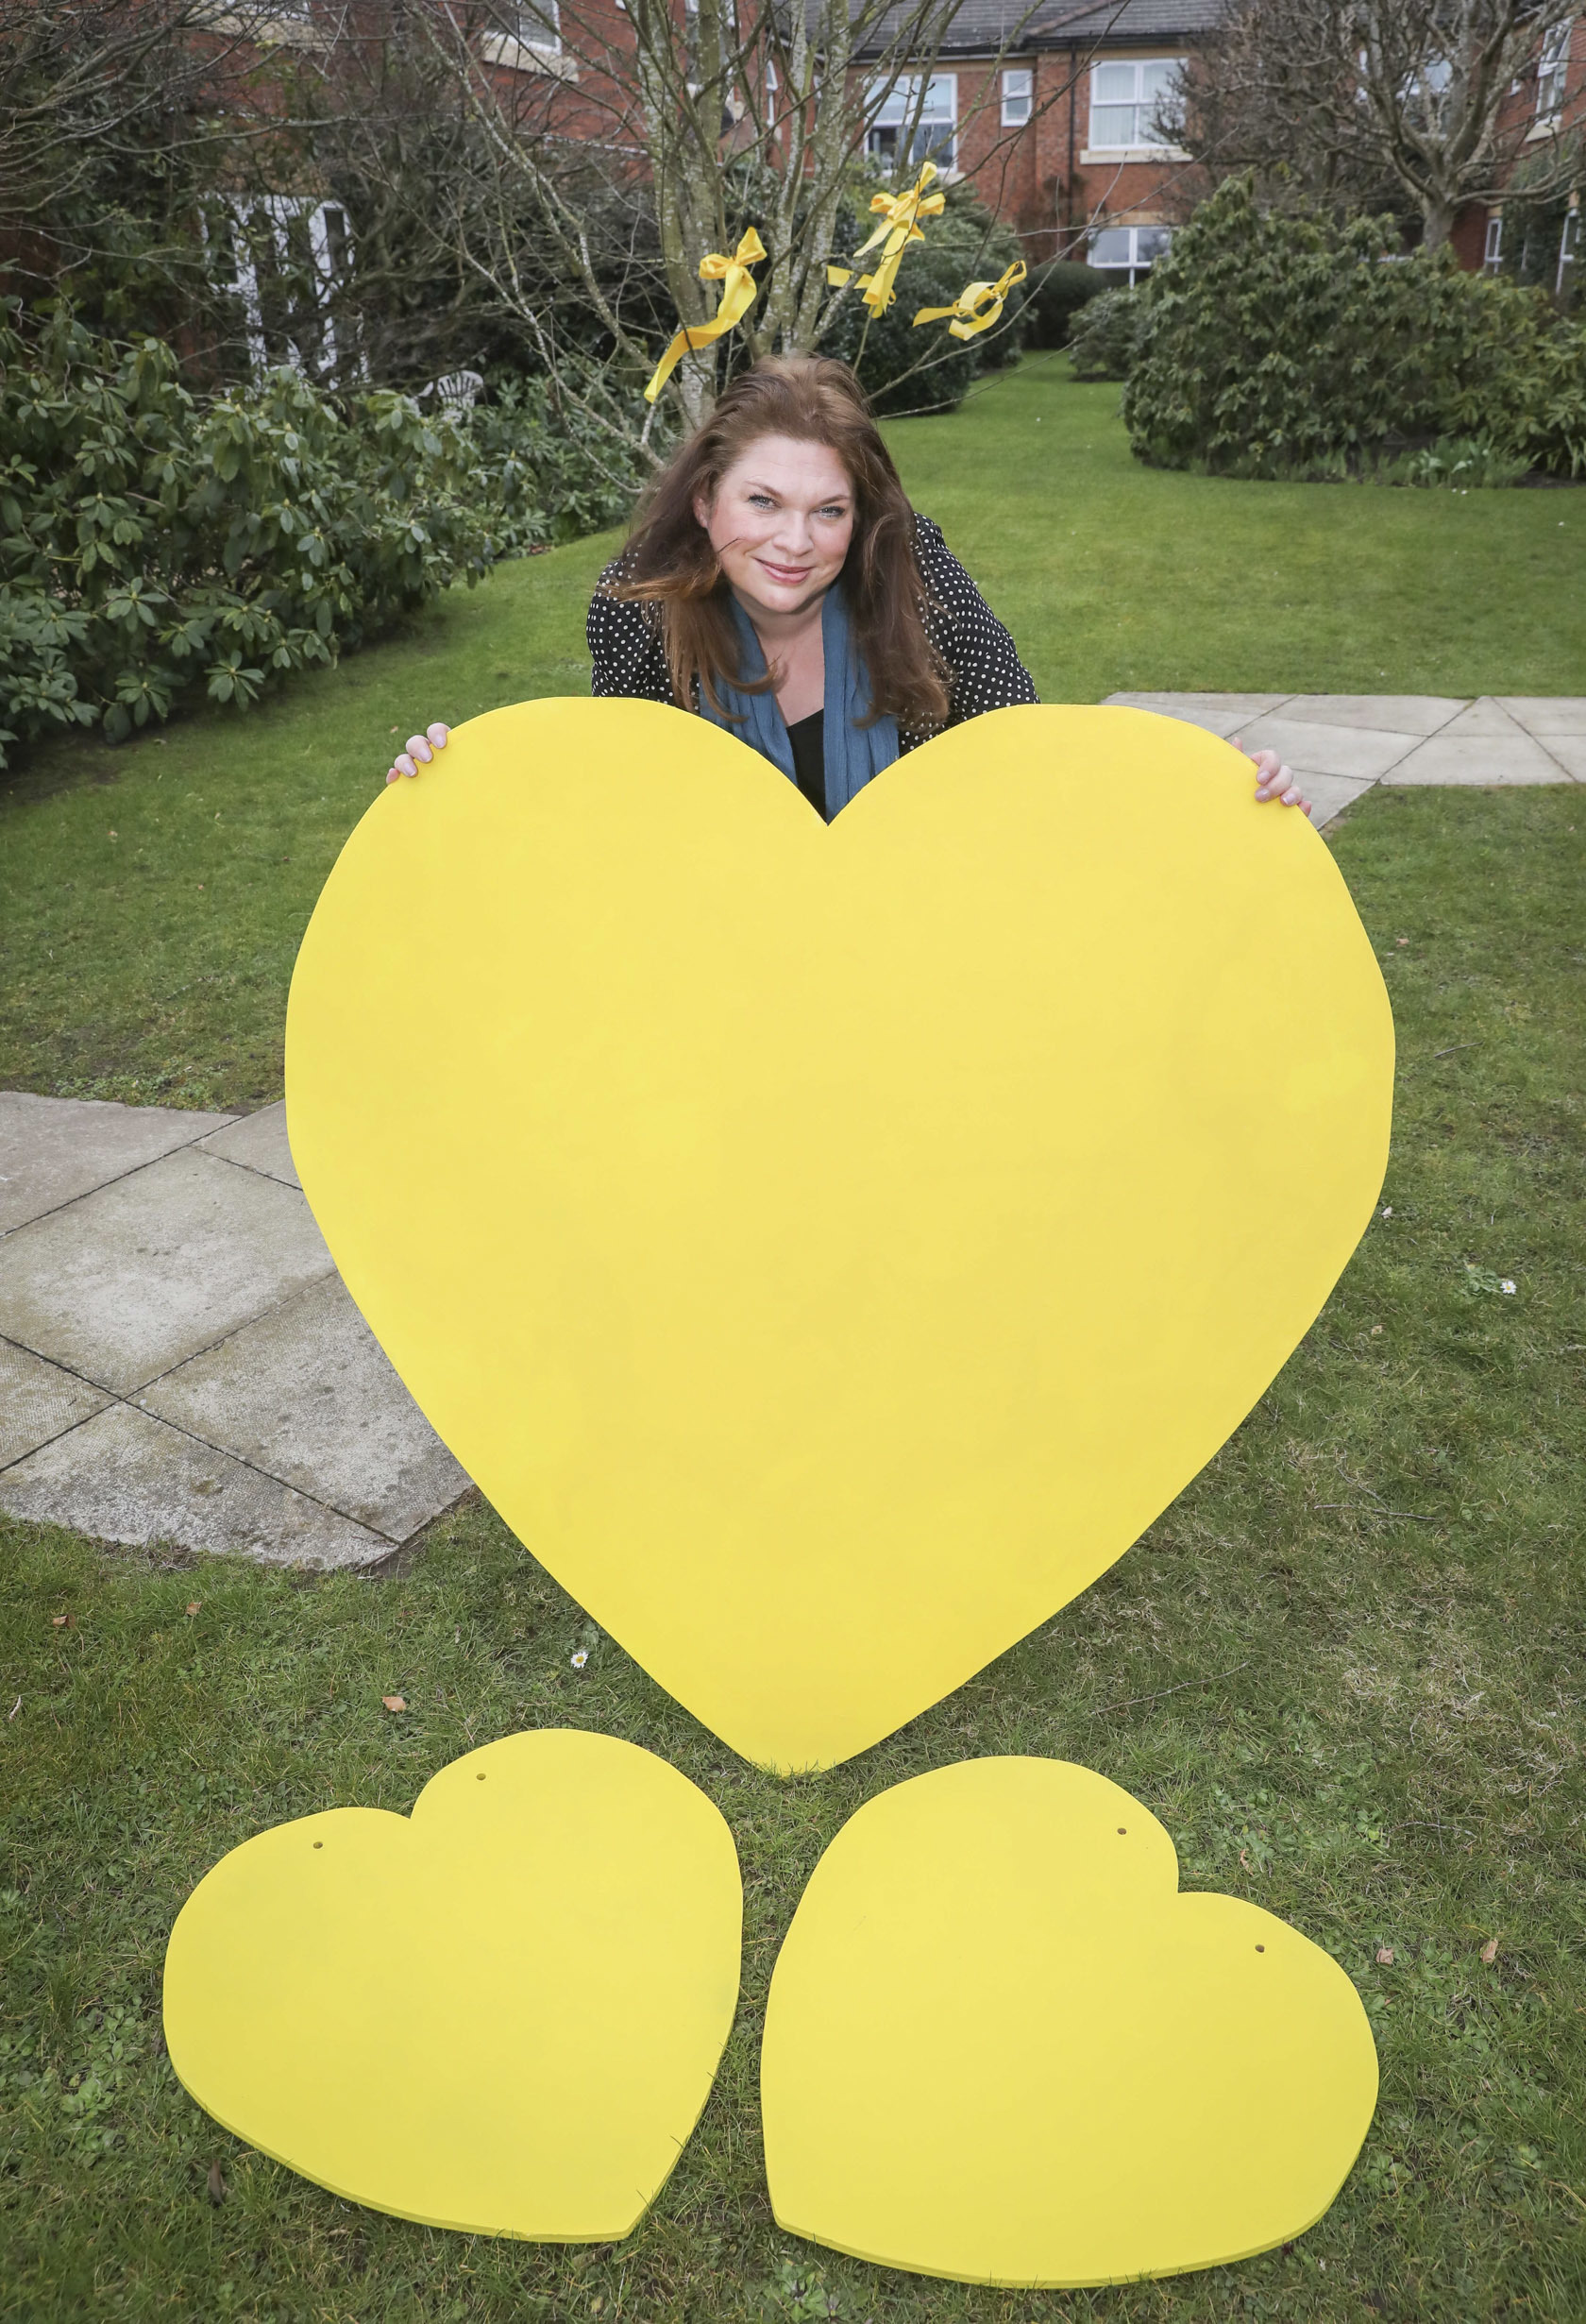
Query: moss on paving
{"points": [[152, 898], [1344, 1669]]}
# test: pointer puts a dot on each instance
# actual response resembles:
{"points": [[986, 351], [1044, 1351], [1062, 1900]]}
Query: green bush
{"points": [[153, 543], [1106, 339], [1055, 294], [1546, 425], [1298, 345], [905, 370]]}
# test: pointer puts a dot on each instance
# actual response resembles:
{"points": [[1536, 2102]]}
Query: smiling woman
{"points": [[778, 583]]}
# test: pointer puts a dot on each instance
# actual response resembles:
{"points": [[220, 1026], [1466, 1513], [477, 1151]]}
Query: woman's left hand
{"points": [[1273, 779]]}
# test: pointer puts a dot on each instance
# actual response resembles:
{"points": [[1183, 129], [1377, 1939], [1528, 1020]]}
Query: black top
{"points": [[986, 673], [808, 738]]}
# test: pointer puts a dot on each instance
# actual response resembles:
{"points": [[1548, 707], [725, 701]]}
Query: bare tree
{"points": [[710, 117], [1424, 104]]}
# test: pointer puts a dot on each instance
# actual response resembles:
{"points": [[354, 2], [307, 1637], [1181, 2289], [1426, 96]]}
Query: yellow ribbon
{"points": [[900, 218], [969, 304], [738, 289]]}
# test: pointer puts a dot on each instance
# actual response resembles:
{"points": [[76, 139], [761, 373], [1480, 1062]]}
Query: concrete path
{"points": [[1344, 743], [178, 1360]]}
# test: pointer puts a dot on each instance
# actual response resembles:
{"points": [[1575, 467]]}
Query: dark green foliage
{"points": [[1054, 296], [907, 370], [1106, 339], [1297, 346], [154, 541]]}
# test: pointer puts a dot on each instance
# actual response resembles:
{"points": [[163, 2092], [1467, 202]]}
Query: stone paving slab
{"points": [[128, 1477], [1570, 751], [258, 1141], [1546, 714], [133, 1279], [1395, 714], [53, 1149], [1359, 753], [1484, 758], [1342, 744], [307, 1393], [38, 1401]]}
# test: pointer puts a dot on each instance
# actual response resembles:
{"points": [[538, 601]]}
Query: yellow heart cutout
{"points": [[830, 1249], [1002, 2048], [502, 2015]]}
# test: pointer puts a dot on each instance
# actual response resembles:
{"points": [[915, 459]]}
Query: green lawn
{"points": [[1344, 1669], [152, 898]]}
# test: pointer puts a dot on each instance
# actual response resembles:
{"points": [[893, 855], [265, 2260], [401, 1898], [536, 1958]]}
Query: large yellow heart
{"points": [[1001, 2046], [502, 2013], [830, 1249]]}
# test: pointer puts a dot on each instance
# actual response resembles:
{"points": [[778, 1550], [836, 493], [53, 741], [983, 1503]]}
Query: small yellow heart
{"points": [[502, 2015], [1001, 2046], [830, 1249]]}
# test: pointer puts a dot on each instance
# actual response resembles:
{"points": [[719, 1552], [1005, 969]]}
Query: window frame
{"points": [[1139, 66], [548, 15], [1026, 95], [883, 94], [1492, 247], [1135, 267], [1552, 72]]}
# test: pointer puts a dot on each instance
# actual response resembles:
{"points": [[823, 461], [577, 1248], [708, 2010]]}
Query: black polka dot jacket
{"points": [[986, 673]]}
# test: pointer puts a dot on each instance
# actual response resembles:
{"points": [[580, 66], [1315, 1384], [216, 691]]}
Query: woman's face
{"points": [[780, 523]]}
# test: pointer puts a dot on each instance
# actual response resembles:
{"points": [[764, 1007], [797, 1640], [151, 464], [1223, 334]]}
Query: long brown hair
{"points": [[670, 566]]}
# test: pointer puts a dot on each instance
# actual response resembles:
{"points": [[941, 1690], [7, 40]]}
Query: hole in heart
{"points": [[1122, 1830], [1260, 1948], [479, 1779], [320, 1843]]}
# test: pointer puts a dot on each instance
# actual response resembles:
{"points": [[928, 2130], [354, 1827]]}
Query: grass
{"points": [[1369, 1721], [1344, 1669], [152, 897]]}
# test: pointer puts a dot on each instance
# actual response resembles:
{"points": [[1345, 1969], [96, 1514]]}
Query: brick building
{"points": [[1064, 120]]}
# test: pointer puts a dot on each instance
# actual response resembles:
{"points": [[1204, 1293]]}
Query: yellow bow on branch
{"points": [[976, 308], [738, 289], [900, 218]]}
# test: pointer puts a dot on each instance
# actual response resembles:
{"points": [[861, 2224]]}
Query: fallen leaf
{"points": [[216, 2184], [60, 1621], [394, 1702], [192, 1605], [1490, 1951], [1384, 1957], [1244, 1856], [12, 1712]]}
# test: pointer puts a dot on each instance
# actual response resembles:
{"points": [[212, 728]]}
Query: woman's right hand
{"points": [[422, 749]]}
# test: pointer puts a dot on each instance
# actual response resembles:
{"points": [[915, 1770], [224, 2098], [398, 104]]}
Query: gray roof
{"points": [[982, 26]]}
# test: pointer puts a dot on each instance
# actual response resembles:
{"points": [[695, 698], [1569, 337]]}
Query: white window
{"points": [[1492, 255], [1552, 72], [1127, 253], [1569, 249], [533, 23], [1018, 96], [1136, 105], [915, 119]]}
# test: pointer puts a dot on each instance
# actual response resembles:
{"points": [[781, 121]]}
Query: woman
{"points": [[778, 582]]}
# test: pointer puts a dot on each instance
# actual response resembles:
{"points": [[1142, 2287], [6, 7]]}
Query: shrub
{"points": [[1056, 292], [152, 542], [1106, 339], [906, 370], [1547, 423], [1294, 345]]}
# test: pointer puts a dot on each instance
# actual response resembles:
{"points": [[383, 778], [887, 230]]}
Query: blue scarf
{"points": [[853, 752]]}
